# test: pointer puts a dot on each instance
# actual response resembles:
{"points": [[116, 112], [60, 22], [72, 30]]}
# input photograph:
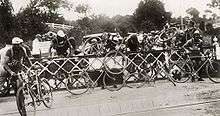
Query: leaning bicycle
{"points": [[33, 93]]}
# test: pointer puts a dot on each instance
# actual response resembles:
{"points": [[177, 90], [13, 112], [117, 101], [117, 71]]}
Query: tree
{"points": [[124, 23], [214, 4], [193, 12], [83, 9], [30, 22], [6, 21], [32, 19], [150, 12]]}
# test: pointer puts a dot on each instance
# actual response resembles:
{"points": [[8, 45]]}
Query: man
{"points": [[190, 29], [193, 47], [13, 63], [35, 46], [132, 43], [61, 44]]}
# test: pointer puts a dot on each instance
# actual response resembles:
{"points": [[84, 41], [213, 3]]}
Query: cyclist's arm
{"points": [[26, 58], [51, 46], [5, 65], [72, 49]]}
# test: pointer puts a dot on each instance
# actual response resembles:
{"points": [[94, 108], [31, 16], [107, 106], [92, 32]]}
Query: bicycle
{"points": [[33, 92], [179, 69], [79, 80], [211, 65], [99, 44], [5, 86], [159, 66]]}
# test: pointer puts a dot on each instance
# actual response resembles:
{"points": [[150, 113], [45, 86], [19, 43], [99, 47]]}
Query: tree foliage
{"points": [[30, 22], [150, 13], [6, 21], [214, 4], [124, 24], [82, 9], [193, 12], [32, 19]]}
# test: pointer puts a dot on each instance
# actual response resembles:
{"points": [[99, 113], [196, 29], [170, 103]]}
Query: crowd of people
{"points": [[15, 55]]}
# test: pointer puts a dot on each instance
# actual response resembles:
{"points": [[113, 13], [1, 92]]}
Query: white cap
{"points": [[17, 40], [196, 32], [60, 33], [215, 39]]}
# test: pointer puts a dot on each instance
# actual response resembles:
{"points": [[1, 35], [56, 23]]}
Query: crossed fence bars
{"points": [[155, 64]]}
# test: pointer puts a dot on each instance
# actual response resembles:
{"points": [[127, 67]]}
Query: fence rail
{"points": [[153, 64]]}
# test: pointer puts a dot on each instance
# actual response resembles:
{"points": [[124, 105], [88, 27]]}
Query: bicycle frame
{"points": [[194, 72]]}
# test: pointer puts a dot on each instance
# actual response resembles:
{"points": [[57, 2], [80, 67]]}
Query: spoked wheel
{"points": [[113, 82], [77, 83], [168, 34], [46, 93], [25, 101], [135, 80], [180, 72], [213, 71], [93, 46], [5, 87], [114, 62]]}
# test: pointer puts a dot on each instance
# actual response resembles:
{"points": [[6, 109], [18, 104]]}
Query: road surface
{"points": [[159, 99]]}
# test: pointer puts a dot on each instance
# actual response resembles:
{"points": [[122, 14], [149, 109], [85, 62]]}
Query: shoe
{"points": [[200, 79], [102, 87]]}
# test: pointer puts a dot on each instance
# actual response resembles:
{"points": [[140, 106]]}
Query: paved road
{"points": [[160, 99]]}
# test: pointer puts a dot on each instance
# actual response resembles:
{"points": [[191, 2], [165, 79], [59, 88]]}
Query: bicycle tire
{"points": [[5, 89], [77, 84], [213, 71], [174, 29], [114, 61], [113, 82], [181, 72], [135, 80], [24, 95], [46, 90], [91, 49]]}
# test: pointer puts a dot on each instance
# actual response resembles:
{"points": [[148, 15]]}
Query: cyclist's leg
{"points": [[16, 83]]}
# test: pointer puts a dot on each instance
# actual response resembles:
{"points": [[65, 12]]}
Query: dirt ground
{"points": [[159, 99]]}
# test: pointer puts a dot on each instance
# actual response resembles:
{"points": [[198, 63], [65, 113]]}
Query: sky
{"points": [[124, 7]]}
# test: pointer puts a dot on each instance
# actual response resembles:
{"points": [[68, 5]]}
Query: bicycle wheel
{"points": [[113, 82], [25, 101], [46, 93], [4, 87], [135, 80], [168, 34], [77, 83], [114, 62], [213, 71], [180, 72], [93, 46]]}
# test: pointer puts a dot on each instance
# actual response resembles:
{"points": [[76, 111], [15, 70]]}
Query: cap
{"points": [[38, 35], [196, 32], [215, 39], [60, 33], [17, 40]]}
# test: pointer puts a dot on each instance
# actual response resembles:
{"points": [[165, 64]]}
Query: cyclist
{"points": [[13, 61], [61, 44], [190, 29], [193, 48], [132, 43]]}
